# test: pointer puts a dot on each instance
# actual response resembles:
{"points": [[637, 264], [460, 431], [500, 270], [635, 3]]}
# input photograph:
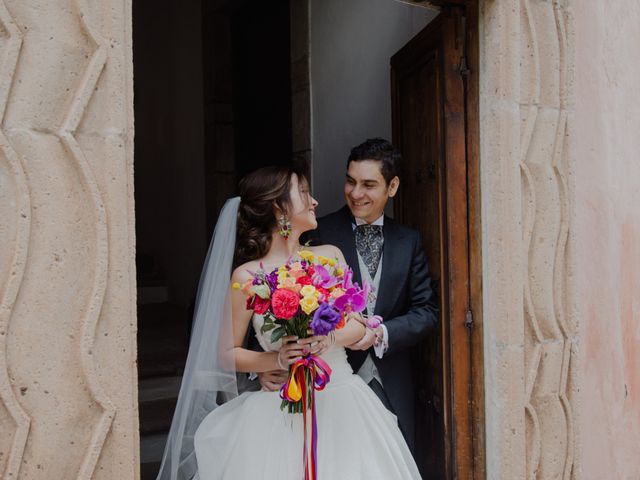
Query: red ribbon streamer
{"points": [[296, 389]]}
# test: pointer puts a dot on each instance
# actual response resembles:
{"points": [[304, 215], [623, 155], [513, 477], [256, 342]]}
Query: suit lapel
{"points": [[392, 256]]}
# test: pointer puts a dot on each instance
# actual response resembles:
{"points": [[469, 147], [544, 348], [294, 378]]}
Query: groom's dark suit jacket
{"points": [[405, 300]]}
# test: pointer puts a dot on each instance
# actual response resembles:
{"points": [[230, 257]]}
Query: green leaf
{"points": [[277, 334], [266, 326]]}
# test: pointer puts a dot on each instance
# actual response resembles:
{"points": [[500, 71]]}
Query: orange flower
{"points": [[290, 284], [246, 288]]}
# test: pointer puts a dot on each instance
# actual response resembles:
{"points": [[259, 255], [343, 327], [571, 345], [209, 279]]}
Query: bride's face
{"points": [[303, 206]]}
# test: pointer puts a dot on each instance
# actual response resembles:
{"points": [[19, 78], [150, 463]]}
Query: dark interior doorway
{"points": [[212, 102]]}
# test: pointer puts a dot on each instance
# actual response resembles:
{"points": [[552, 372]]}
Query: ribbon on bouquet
{"points": [[296, 389]]}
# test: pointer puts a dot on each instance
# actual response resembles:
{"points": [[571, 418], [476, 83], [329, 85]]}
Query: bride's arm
{"points": [[248, 360], [351, 333]]}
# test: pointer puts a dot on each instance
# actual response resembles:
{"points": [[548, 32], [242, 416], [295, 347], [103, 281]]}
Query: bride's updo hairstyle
{"points": [[260, 191]]}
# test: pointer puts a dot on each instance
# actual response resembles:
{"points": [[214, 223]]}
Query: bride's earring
{"points": [[284, 227]]}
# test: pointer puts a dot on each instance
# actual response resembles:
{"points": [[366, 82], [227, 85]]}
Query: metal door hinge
{"points": [[468, 319]]}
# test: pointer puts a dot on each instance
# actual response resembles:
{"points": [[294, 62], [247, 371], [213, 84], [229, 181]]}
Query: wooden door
{"points": [[428, 97]]}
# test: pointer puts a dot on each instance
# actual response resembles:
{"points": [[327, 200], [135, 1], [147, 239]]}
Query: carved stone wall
{"points": [[68, 406], [530, 329]]}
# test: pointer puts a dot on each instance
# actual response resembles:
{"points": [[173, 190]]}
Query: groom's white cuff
{"points": [[382, 347]]}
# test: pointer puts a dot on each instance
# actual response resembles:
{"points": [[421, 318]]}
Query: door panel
{"points": [[429, 129]]}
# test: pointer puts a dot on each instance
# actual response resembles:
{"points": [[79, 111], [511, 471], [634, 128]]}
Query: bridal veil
{"points": [[209, 378]]}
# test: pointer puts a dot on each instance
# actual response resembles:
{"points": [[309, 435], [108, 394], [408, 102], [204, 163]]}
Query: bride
{"points": [[218, 434]]}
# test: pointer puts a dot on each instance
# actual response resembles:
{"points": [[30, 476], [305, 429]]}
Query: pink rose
{"points": [[284, 303]]}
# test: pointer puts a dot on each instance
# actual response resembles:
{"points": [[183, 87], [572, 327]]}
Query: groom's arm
{"points": [[422, 316]]}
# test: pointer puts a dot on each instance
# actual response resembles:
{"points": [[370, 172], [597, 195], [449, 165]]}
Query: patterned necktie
{"points": [[369, 244]]}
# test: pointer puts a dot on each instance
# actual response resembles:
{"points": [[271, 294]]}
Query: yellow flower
{"points": [[282, 276], [307, 255], [308, 290], [323, 260], [309, 304], [337, 292], [332, 262], [339, 271], [235, 286]]}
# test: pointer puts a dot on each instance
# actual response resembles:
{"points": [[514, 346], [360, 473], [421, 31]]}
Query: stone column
{"points": [[526, 162], [68, 394]]}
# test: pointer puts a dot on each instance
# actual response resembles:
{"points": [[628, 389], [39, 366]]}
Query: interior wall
{"points": [[169, 147], [607, 232], [351, 44]]}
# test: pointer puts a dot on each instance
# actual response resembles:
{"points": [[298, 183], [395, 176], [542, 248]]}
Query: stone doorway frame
{"points": [[530, 332]]}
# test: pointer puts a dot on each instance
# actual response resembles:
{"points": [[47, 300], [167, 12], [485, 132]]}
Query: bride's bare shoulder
{"points": [[243, 273]]}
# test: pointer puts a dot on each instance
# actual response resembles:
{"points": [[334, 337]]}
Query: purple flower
{"points": [[272, 280], [352, 301], [325, 319], [347, 278], [322, 277]]}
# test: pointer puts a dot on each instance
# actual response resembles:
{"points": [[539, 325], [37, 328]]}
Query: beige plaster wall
{"points": [[67, 299], [607, 186]]}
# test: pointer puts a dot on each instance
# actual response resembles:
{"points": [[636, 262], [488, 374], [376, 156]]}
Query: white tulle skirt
{"points": [[358, 438]]}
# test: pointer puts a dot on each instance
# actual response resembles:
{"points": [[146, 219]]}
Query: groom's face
{"points": [[366, 191]]}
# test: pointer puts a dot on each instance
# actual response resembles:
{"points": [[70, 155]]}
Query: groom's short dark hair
{"points": [[381, 150]]}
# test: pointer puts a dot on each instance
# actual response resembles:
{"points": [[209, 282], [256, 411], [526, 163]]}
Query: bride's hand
{"points": [[315, 344], [290, 352], [273, 380]]}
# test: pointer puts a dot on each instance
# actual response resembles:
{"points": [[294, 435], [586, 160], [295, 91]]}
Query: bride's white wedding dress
{"points": [[249, 437]]}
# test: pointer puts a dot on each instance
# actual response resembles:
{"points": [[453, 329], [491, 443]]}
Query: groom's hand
{"points": [[371, 337], [273, 380]]}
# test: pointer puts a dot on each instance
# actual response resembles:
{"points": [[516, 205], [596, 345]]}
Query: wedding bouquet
{"points": [[307, 293]]}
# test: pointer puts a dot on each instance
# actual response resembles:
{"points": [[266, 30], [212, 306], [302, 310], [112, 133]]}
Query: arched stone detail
{"points": [[14, 195], [68, 395], [526, 102]]}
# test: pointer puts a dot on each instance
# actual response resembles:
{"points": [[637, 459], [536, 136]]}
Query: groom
{"points": [[390, 257]]}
